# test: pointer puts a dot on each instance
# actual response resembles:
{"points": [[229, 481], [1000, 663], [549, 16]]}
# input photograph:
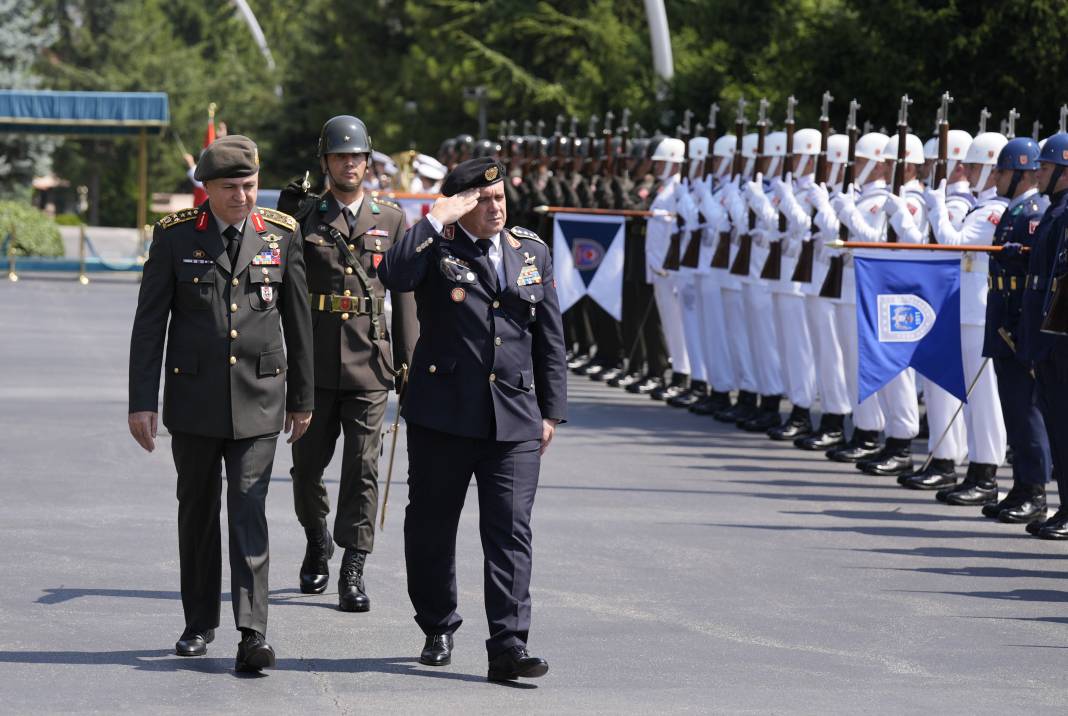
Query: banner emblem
{"points": [[904, 318]]}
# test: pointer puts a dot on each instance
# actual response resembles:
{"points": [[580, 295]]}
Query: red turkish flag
{"points": [[199, 195]]}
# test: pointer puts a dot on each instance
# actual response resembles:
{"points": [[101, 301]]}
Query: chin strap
{"points": [[1053, 179]]}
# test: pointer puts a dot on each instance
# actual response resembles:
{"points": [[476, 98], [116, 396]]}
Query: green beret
{"points": [[473, 174], [228, 157]]}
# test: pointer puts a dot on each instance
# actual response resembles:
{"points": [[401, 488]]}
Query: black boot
{"points": [[645, 385], [925, 428], [611, 375], [697, 392], [767, 418], [861, 446], [744, 408], [980, 487], [1056, 527], [941, 473], [1029, 507], [579, 362], [625, 380], [315, 570], [714, 402], [829, 435], [253, 653], [678, 384], [350, 588], [796, 427], [895, 459]]}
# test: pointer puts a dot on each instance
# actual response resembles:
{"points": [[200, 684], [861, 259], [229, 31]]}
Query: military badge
{"points": [[376, 259], [270, 257], [1032, 226], [377, 232], [454, 269], [528, 275], [257, 223], [448, 232], [198, 254], [514, 242], [527, 258], [267, 293], [491, 173], [202, 222], [457, 295]]}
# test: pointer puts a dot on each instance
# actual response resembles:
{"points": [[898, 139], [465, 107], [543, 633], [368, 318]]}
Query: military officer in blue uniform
{"points": [[487, 388], [1048, 353], [1016, 179], [224, 284]]}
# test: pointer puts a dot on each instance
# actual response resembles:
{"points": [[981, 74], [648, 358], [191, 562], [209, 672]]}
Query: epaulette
{"points": [[177, 217], [388, 202], [277, 217], [525, 234]]}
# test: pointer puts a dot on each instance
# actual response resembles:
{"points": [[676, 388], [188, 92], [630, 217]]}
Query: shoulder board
{"points": [[520, 232], [177, 217], [387, 202], [277, 217]]}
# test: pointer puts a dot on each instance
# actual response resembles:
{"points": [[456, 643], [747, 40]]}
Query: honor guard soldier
{"points": [[347, 233], [229, 278], [487, 388]]}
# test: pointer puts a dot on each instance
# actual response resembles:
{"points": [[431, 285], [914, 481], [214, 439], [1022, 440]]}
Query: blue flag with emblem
{"points": [[908, 315], [588, 260]]}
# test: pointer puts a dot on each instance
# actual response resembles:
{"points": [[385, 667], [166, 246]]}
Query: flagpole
{"points": [[918, 247], [543, 209], [941, 439]]}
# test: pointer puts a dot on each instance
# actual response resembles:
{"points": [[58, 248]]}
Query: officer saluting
{"points": [[346, 234], [230, 277], [488, 386]]}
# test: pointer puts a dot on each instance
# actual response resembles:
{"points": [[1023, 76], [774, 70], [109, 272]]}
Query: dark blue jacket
{"points": [[1035, 346], [1019, 225], [489, 362]]}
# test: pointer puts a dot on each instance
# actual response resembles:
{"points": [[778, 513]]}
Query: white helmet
{"points": [[959, 143], [870, 146], [749, 145], [985, 150], [669, 150], [837, 156], [775, 149], [724, 146], [930, 148], [913, 149], [806, 145], [698, 153]]}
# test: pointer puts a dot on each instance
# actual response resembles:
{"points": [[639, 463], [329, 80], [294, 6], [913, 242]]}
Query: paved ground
{"points": [[679, 567]]}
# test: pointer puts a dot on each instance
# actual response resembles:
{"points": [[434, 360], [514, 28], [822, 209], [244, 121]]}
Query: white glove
{"points": [[820, 196], [895, 204], [935, 198]]}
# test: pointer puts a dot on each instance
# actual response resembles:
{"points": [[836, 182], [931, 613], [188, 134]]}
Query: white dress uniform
{"points": [[657, 240], [986, 437], [718, 365], [688, 286], [759, 305], [734, 315]]}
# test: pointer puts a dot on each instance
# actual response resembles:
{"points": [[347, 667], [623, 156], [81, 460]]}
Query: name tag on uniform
{"points": [[270, 257], [197, 261], [528, 275]]}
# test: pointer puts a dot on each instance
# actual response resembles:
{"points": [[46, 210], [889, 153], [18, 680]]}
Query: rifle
{"points": [[710, 133], [609, 159], [721, 259], [832, 282], [623, 131], [1010, 126], [825, 130], [591, 135], [743, 258], [1063, 123], [692, 256], [772, 270], [674, 253], [506, 144], [899, 164], [984, 114], [942, 163]]}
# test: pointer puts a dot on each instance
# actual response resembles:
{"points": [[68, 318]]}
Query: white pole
{"points": [[660, 42]]}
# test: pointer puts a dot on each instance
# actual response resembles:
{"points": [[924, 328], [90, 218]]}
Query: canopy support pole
{"points": [[142, 183]]}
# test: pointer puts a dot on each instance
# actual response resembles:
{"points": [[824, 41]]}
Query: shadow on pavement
{"points": [[959, 552], [59, 595], [873, 531], [1015, 595]]}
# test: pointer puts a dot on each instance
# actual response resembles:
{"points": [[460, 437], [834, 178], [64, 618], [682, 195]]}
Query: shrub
{"points": [[35, 233]]}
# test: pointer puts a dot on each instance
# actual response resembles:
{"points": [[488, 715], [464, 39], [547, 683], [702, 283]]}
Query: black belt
{"points": [[356, 305], [1037, 283]]}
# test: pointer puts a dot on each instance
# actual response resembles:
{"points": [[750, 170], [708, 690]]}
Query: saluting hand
{"points": [[143, 427], [448, 209], [298, 423]]}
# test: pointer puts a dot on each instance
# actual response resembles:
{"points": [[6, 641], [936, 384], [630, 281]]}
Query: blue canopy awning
{"points": [[73, 113]]}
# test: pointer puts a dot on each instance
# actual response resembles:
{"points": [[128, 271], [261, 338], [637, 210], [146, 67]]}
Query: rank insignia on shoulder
{"points": [[388, 202], [525, 234], [279, 218], [257, 223], [177, 217], [448, 232], [424, 246]]}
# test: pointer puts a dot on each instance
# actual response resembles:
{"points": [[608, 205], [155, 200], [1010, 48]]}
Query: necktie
{"points": [[350, 219], [233, 238], [484, 246]]}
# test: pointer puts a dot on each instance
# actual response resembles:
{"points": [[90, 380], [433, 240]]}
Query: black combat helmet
{"points": [[486, 148], [344, 134]]}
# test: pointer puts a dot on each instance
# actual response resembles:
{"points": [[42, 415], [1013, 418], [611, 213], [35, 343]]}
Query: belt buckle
{"points": [[344, 303], [1012, 283]]}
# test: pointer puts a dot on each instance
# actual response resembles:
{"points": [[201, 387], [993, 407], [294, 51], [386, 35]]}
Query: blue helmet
{"points": [[1055, 150], [1020, 154]]}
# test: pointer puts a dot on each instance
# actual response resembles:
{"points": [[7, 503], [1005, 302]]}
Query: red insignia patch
{"points": [[376, 259], [912, 209], [457, 295], [1032, 226], [643, 192], [874, 209], [257, 223], [448, 232], [1023, 159], [202, 221], [994, 218]]}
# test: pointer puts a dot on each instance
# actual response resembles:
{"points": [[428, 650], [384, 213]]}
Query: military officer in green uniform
{"points": [[229, 278], [346, 234]]}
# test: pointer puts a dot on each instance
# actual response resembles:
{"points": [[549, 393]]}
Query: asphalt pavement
{"points": [[680, 566]]}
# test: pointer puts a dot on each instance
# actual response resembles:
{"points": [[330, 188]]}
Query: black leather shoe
{"points": [[351, 593], [1030, 506], [863, 445], [712, 403], [579, 362], [594, 370], [938, 475], [611, 375], [829, 435], [437, 651], [697, 392], [797, 426], [194, 643], [744, 408], [677, 386], [1055, 523], [315, 570], [516, 663], [894, 460], [767, 418], [645, 386], [625, 380], [253, 653], [980, 487]]}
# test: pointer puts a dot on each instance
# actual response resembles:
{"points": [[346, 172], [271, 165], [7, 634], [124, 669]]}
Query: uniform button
{"points": [[378, 244], [233, 334], [532, 297], [496, 304], [497, 341], [352, 247], [348, 292], [196, 280], [233, 308], [177, 371], [493, 377], [348, 270], [265, 271], [233, 360], [344, 316], [235, 282], [279, 370], [432, 369]]}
